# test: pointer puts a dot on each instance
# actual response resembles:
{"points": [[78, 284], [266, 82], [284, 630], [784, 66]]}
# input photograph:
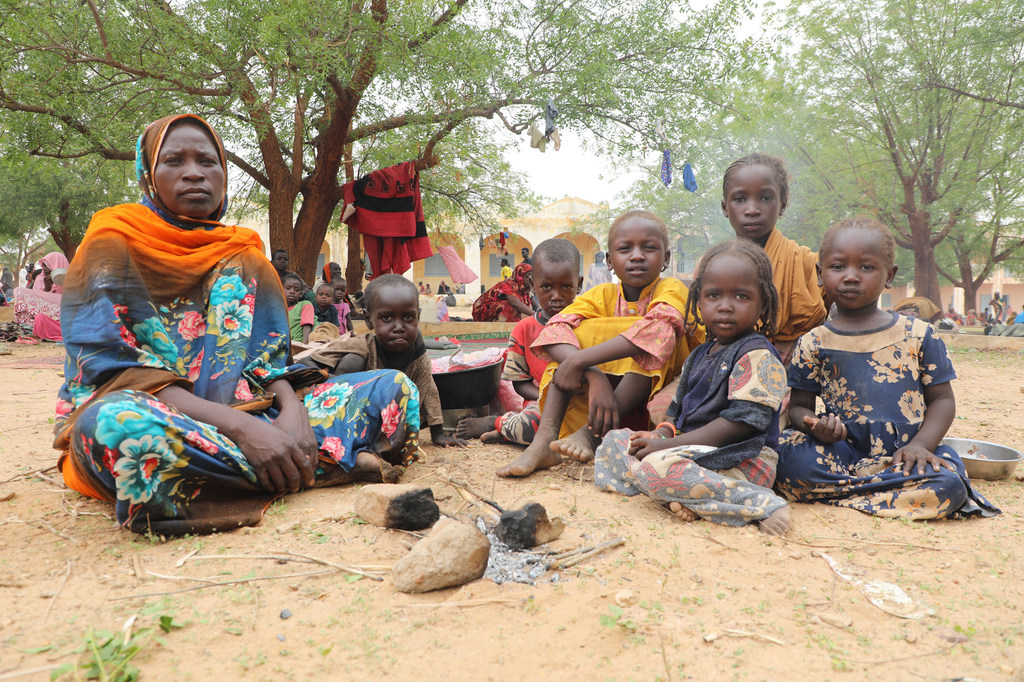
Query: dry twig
{"points": [[60, 587], [576, 556]]}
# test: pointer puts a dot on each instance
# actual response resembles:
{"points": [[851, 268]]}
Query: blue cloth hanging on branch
{"points": [[666, 167], [689, 181]]}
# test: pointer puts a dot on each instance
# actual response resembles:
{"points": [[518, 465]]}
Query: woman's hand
{"points": [[275, 455], [911, 455], [827, 429]]}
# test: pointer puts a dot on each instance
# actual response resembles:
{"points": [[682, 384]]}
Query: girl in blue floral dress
{"points": [[178, 404], [885, 382]]}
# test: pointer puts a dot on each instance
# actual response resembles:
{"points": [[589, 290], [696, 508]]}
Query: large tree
{"points": [[920, 156], [310, 92]]}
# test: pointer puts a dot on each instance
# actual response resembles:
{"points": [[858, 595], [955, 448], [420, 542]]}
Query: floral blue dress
{"points": [[149, 304], [874, 382]]}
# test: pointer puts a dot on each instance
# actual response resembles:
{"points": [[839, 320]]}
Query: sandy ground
{"points": [[677, 601]]}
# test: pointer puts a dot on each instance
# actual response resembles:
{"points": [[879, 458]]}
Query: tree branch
{"points": [[438, 24]]}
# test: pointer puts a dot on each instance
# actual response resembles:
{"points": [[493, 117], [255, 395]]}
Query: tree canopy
{"points": [[310, 93]]}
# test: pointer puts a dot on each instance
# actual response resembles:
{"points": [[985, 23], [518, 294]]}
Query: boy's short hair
{"points": [[862, 222], [557, 251], [324, 284], [373, 289], [639, 214], [277, 251]]}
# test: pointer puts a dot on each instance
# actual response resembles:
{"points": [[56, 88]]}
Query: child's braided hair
{"points": [[762, 268], [773, 163]]}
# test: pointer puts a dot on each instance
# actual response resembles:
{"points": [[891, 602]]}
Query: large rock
{"points": [[453, 554], [408, 507], [528, 526]]}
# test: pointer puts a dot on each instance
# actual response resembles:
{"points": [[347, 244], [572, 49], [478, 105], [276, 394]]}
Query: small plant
{"points": [[613, 619]]}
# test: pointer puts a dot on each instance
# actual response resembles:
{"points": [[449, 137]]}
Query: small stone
{"points": [[696, 578], [836, 620], [285, 614], [280, 638], [911, 637], [453, 554], [288, 526], [625, 598], [528, 526], [1006, 669], [406, 507]]}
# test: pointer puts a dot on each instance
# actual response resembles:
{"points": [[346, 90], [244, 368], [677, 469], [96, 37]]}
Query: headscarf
{"points": [[519, 277], [327, 272], [918, 306], [147, 151], [53, 260]]}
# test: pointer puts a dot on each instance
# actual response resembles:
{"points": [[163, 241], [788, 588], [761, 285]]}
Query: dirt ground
{"points": [[676, 601]]}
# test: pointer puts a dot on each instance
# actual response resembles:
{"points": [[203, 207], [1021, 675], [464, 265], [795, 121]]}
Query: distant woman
{"points": [[508, 300], [39, 306]]}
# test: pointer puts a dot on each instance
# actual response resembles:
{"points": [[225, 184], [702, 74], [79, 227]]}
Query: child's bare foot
{"points": [[492, 437], [370, 467], [579, 446], [777, 523], [538, 455], [473, 427], [683, 513]]}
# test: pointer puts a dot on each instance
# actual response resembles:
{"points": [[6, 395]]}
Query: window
{"points": [[494, 264], [435, 267], [321, 260]]}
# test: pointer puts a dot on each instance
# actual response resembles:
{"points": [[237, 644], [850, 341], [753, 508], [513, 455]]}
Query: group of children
{"points": [[590, 365], [592, 368]]}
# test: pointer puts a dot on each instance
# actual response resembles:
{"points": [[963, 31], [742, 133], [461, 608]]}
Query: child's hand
{"points": [[568, 377], [443, 440], [911, 455], [643, 443], [604, 411], [827, 429]]}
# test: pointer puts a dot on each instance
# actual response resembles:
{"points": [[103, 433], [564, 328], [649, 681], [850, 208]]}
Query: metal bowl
{"points": [[985, 460]]}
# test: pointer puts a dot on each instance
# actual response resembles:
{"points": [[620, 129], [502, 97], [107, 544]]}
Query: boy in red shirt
{"points": [[556, 281]]}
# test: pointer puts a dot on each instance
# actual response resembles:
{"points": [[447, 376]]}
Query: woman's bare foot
{"points": [[473, 427], [538, 455], [579, 446], [683, 513], [492, 437], [777, 523]]}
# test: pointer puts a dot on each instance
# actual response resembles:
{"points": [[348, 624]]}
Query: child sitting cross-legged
{"points": [[714, 459], [884, 380], [393, 342], [612, 348], [556, 280]]}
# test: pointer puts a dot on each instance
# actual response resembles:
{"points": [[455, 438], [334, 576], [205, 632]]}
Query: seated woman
{"points": [[508, 300], [178, 405], [39, 306]]}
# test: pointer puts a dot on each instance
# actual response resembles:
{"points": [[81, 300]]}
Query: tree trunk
{"points": [[926, 271], [970, 296], [62, 232]]}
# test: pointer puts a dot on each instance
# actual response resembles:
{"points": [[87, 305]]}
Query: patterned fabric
{"points": [[725, 498], [519, 427], [801, 303], [168, 473], [493, 306], [417, 368], [743, 382], [521, 362], [874, 382], [655, 323]]}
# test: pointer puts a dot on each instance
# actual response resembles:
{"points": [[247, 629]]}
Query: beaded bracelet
{"points": [[669, 425]]}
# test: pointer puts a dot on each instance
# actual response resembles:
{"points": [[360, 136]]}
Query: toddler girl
{"points": [[885, 382], [714, 458]]}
